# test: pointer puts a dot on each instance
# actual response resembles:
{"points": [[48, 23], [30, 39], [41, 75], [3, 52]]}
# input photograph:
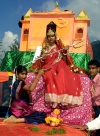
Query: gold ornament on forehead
{"points": [[50, 32]]}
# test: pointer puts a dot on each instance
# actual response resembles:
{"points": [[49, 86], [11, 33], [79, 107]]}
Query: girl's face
{"points": [[22, 76], [51, 39]]}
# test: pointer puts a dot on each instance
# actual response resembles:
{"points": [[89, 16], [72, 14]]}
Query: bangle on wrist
{"points": [[65, 53], [36, 80], [42, 60]]}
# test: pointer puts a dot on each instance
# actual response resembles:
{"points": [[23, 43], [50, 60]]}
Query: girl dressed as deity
{"points": [[62, 85]]}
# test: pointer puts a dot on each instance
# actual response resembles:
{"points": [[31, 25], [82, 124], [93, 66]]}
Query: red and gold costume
{"points": [[62, 80]]}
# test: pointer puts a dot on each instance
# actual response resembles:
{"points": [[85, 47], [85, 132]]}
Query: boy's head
{"points": [[94, 68]]}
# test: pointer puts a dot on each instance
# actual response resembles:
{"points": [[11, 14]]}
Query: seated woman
{"points": [[57, 79], [63, 88], [20, 109]]}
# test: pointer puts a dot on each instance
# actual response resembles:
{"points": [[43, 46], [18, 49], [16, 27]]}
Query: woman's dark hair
{"points": [[94, 62], [20, 69]]}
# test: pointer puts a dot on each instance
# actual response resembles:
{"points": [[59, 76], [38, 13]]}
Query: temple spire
{"points": [[56, 6]]}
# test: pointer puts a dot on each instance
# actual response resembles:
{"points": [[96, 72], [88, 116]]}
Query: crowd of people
{"points": [[58, 84]]}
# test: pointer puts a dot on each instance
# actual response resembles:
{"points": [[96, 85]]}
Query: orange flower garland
{"points": [[54, 120]]}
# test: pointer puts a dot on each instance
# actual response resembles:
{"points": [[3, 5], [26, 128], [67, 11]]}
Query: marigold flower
{"points": [[55, 120], [56, 111], [47, 119], [60, 119]]}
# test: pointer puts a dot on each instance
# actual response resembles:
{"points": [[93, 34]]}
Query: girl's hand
{"points": [[44, 55], [40, 72], [67, 47]]}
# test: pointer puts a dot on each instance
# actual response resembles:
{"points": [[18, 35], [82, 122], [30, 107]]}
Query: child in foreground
{"points": [[20, 109]]}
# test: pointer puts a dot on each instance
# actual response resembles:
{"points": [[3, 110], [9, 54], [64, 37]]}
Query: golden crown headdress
{"points": [[50, 32]]}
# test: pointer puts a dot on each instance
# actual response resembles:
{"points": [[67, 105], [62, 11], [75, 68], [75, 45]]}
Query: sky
{"points": [[12, 10]]}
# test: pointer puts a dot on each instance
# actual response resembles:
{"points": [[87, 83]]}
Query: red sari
{"points": [[62, 85]]}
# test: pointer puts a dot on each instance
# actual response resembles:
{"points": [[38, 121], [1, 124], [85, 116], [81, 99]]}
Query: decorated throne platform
{"points": [[22, 129]]}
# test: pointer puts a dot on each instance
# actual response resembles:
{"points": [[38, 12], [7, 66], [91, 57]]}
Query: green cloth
{"points": [[81, 59], [14, 58]]}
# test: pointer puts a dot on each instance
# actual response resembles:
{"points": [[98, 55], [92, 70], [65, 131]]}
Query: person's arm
{"points": [[64, 53], [33, 85], [44, 54], [96, 93], [94, 124], [30, 96], [85, 127]]}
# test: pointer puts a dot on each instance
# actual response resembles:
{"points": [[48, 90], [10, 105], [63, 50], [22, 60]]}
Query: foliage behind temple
{"points": [[96, 49]]}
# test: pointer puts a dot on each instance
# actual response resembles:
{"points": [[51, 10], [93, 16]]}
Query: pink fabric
{"points": [[38, 94], [82, 114], [20, 108], [79, 115], [96, 91]]}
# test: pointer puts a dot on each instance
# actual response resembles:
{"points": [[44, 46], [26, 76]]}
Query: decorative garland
{"points": [[53, 131], [35, 129], [54, 119]]}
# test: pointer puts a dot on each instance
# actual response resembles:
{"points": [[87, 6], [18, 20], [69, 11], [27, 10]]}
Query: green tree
{"points": [[96, 49], [14, 46], [1, 52]]}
